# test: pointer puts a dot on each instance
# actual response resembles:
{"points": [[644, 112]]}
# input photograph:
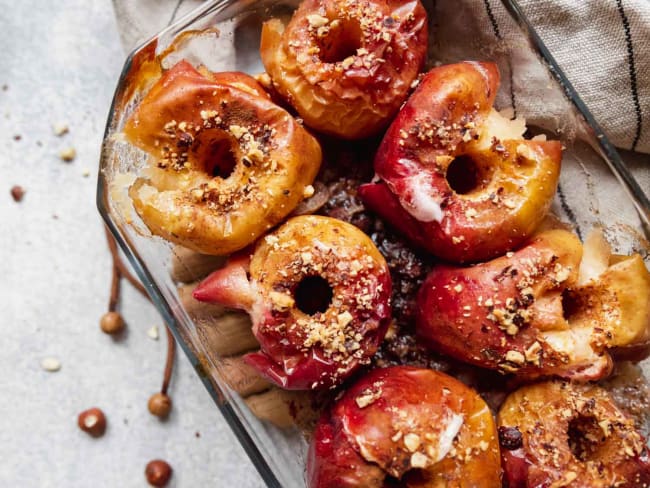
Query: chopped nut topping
{"points": [[532, 353], [316, 20], [412, 441], [281, 301], [419, 460], [344, 318], [369, 397], [347, 62], [238, 131], [308, 191], [515, 357]]}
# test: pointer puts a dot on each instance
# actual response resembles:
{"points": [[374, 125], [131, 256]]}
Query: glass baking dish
{"points": [[596, 189]]}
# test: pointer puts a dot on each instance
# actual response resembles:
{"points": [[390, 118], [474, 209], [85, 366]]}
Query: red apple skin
{"points": [[458, 310], [542, 414], [301, 351], [440, 122], [333, 462], [229, 286], [359, 437]]}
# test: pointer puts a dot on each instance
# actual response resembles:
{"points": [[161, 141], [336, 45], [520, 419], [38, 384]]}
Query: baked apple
{"points": [[613, 294], [318, 291], [563, 434], [542, 310], [405, 426], [226, 163], [455, 176], [346, 67]]}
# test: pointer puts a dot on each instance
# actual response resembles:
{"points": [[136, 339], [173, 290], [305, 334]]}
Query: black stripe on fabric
{"points": [[173, 17], [632, 68], [512, 89], [567, 210], [493, 20]]}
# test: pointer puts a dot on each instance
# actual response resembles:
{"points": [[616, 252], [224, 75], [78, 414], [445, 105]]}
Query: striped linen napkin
{"points": [[602, 45]]}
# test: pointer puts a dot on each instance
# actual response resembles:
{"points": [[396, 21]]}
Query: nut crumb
{"points": [[51, 364], [419, 460], [316, 20], [308, 191], [68, 154], [412, 441], [515, 357], [368, 397], [60, 129], [347, 62], [152, 333]]}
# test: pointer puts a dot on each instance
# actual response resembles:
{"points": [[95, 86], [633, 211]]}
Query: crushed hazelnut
{"points": [[60, 129], [316, 20], [515, 357], [368, 397], [412, 441], [17, 193], [347, 62], [281, 301], [419, 460], [50, 364], [68, 154], [308, 191]]}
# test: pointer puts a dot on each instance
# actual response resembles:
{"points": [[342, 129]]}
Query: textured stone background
{"points": [[59, 62]]}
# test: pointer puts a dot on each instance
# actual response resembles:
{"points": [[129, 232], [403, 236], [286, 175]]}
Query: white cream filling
{"points": [[419, 201], [448, 435]]}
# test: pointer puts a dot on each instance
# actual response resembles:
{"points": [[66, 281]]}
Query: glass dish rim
{"points": [[612, 158]]}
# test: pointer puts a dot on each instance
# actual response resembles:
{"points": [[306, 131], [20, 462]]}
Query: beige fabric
{"points": [[593, 40]]}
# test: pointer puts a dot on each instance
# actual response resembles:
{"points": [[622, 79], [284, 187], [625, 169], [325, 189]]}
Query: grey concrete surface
{"points": [[59, 62]]}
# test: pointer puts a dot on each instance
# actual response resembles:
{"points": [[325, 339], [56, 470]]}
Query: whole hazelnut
{"points": [[92, 421], [17, 193], [159, 405], [111, 323], [158, 472]]}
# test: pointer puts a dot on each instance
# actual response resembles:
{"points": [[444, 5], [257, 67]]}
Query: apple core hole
{"points": [[585, 437], [413, 477], [313, 295], [570, 305], [339, 43], [218, 154], [465, 176]]}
